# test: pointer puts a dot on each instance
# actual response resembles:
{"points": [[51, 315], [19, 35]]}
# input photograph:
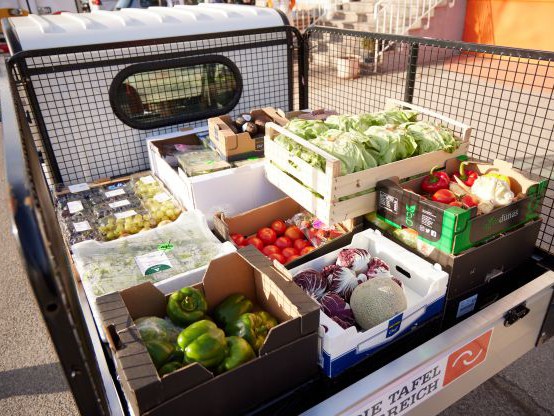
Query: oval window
{"points": [[159, 94]]}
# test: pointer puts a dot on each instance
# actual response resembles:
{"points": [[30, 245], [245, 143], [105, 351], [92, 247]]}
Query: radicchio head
{"points": [[377, 268], [354, 258], [312, 282], [344, 281], [336, 308], [328, 271]]}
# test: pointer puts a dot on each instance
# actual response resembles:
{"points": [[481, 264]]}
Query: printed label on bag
{"points": [[116, 192], [80, 187], [118, 204], [74, 206], [81, 226], [125, 214], [154, 262], [162, 197], [147, 179]]}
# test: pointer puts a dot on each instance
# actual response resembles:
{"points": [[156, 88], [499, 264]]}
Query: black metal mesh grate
{"points": [[67, 92], [505, 94]]}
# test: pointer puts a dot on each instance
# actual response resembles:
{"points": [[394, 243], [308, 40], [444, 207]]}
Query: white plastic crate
{"points": [[425, 288], [230, 191]]}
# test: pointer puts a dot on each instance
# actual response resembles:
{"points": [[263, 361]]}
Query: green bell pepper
{"points": [[238, 352], [253, 327], [203, 342], [161, 352], [169, 367], [186, 306], [231, 309]]}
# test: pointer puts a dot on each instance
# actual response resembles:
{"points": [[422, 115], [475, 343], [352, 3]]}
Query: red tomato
{"points": [[306, 250], [294, 233], [279, 227], [283, 242], [290, 251], [238, 239], [271, 249], [300, 244], [256, 242], [291, 258], [267, 235], [279, 257]]}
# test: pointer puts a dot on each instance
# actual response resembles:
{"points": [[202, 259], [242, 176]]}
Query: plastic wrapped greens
{"points": [[430, 137], [367, 140], [201, 162], [155, 255]]}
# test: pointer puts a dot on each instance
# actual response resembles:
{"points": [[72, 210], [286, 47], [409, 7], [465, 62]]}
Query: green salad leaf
{"points": [[367, 140]]}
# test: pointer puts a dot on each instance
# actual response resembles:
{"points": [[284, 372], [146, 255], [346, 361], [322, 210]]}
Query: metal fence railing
{"points": [[505, 94]]}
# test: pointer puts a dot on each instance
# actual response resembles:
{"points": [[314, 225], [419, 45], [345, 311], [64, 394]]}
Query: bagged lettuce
{"points": [[390, 145], [395, 116], [307, 129], [347, 148], [430, 137], [367, 140]]}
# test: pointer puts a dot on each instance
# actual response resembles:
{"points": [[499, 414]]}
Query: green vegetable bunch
{"points": [[191, 336], [368, 140]]}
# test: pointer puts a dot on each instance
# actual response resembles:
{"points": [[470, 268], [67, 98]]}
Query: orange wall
{"points": [[518, 23]]}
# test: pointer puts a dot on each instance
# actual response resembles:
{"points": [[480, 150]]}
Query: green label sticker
{"points": [[155, 269], [166, 246]]}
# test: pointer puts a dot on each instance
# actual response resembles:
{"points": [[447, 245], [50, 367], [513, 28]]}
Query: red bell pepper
{"points": [[435, 181], [445, 196], [467, 176]]}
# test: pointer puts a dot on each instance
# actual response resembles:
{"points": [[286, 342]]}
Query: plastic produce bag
{"points": [[201, 162], [154, 328], [150, 256], [317, 232]]}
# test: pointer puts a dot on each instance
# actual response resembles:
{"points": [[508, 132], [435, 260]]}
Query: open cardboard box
{"points": [[476, 267], [453, 229], [212, 192], [249, 222], [233, 145], [425, 289], [287, 358]]}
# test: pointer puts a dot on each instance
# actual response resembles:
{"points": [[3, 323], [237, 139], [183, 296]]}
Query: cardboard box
{"points": [[478, 266], [233, 145], [454, 229], [231, 191], [249, 222], [425, 288], [193, 388], [464, 306]]}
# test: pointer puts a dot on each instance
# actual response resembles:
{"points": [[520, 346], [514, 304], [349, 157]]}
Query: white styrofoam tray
{"points": [[425, 288], [231, 191]]}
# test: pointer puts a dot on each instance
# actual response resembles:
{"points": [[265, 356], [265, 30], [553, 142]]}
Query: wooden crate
{"points": [[303, 182]]}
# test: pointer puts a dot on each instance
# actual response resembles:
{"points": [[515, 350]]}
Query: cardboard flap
{"points": [[274, 114], [220, 226], [134, 357], [215, 283], [113, 311], [184, 379], [134, 301], [281, 335], [249, 222]]}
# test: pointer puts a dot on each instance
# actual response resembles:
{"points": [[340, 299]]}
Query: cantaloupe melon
{"points": [[376, 301]]}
